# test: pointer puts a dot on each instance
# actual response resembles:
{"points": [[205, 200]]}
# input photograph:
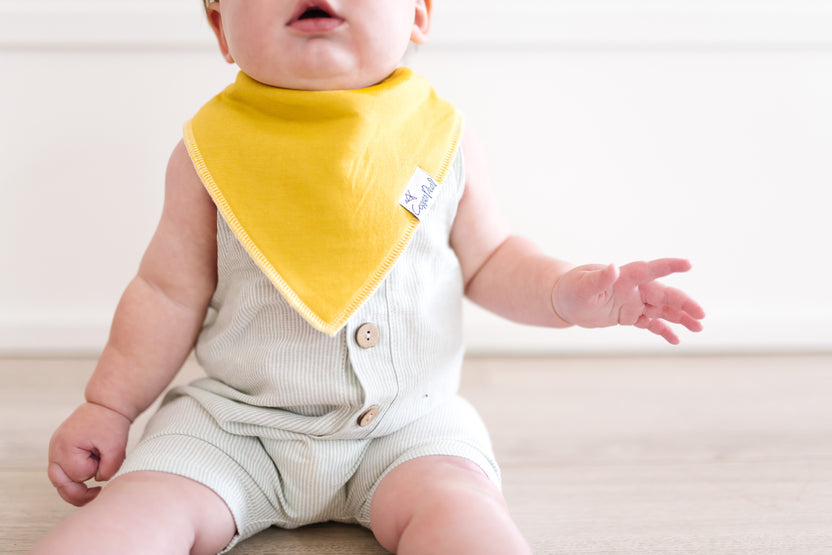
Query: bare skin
{"points": [[145, 512], [443, 505]]}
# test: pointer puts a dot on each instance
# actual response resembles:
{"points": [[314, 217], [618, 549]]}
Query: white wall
{"points": [[618, 131]]}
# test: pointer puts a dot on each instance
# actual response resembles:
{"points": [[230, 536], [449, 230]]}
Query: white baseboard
{"points": [[489, 335], [81, 339], [725, 332]]}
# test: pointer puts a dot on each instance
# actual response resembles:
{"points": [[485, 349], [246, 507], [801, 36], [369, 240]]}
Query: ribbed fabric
{"points": [[274, 428]]}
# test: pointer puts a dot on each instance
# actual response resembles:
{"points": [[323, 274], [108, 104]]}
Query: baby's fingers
{"points": [[71, 491], [658, 327], [676, 302], [674, 316], [645, 272]]}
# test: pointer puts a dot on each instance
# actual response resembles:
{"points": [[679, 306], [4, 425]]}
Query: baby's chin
{"points": [[330, 84], [325, 78]]}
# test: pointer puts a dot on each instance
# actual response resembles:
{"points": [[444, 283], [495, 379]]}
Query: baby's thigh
{"points": [[146, 512], [174, 508], [183, 439], [453, 432], [436, 496]]}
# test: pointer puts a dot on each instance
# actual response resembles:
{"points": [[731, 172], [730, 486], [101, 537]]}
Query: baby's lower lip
{"points": [[316, 25]]}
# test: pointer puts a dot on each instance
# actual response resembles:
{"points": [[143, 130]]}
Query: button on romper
{"points": [[292, 426]]}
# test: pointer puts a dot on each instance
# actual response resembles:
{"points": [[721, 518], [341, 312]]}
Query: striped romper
{"points": [[291, 426]]}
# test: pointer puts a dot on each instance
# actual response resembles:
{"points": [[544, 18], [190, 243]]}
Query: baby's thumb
{"points": [[71, 490], [602, 279], [110, 460]]}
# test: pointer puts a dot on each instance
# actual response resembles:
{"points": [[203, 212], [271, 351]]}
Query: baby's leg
{"points": [[442, 504], [145, 512]]}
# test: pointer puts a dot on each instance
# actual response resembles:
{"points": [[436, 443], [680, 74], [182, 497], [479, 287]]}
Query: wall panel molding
{"points": [[179, 24], [738, 139]]}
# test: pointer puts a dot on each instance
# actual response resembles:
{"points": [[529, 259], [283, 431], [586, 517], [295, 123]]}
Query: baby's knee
{"points": [[178, 510], [434, 495]]}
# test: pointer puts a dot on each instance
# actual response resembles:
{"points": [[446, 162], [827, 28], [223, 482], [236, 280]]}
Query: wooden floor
{"points": [[710, 455]]}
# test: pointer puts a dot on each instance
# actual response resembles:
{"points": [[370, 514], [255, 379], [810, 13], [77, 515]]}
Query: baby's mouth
{"points": [[314, 13], [314, 16]]}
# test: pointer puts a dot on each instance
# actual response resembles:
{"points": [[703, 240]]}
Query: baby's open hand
{"points": [[595, 296]]}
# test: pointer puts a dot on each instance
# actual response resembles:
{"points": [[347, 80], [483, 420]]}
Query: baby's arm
{"points": [[154, 329], [512, 277]]}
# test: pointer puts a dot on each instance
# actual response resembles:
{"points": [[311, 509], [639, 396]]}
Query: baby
{"points": [[323, 218]]}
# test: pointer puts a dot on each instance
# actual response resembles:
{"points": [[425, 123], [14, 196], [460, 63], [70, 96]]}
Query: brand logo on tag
{"points": [[419, 194]]}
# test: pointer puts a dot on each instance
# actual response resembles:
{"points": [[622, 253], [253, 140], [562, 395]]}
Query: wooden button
{"points": [[367, 336], [368, 416]]}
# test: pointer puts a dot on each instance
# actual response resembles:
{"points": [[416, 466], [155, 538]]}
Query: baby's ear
{"points": [[421, 22], [215, 19]]}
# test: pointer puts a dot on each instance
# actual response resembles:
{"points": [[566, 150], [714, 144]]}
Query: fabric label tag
{"points": [[418, 196]]}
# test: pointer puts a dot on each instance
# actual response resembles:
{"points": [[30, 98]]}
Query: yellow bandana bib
{"points": [[313, 183]]}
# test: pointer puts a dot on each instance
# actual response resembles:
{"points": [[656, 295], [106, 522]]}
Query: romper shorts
{"points": [[286, 466], [292, 479]]}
